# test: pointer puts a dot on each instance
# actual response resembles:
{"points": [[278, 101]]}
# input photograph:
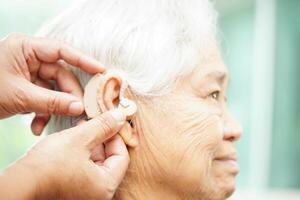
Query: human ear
{"points": [[106, 92]]}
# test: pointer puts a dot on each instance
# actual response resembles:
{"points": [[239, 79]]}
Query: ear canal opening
{"points": [[130, 123], [117, 89], [116, 102]]}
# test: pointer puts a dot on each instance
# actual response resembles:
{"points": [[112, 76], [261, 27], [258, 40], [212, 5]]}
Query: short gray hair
{"points": [[150, 43]]}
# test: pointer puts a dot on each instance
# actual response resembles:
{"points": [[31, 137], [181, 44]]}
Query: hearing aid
{"points": [[92, 96]]}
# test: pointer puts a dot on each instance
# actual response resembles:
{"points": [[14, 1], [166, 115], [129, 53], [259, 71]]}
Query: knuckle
{"points": [[103, 190], [21, 99], [13, 39], [53, 105], [110, 191], [105, 125], [29, 53]]}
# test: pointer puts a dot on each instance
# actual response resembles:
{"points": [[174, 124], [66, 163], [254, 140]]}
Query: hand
{"points": [[27, 64], [72, 164]]}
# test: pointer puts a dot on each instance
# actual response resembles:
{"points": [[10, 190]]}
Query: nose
{"points": [[232, 129]]}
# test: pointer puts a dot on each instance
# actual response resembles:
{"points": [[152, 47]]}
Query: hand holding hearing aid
{"points": [[27, 64], [84, 162], [70, 165], [89, 159]]}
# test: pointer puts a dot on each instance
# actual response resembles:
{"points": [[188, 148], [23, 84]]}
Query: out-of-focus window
{"points": [[261, 43]]}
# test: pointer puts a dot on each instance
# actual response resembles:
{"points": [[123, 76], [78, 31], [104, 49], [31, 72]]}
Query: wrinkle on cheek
{"points": [[181, 131], [198, 131], [198, 139], [196, 119]]}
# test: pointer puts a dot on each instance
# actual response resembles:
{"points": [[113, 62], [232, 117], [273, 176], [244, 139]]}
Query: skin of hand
{"points": [[85, 162], [27, 67]]}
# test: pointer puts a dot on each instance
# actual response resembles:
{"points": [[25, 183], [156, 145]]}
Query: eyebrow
{"points": [[221, 76]]}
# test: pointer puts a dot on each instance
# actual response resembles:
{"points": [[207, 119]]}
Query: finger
{"points": [[98, 154], [43, 83], [65, 79], [38, 123], [95, 131], [117, 158], [41, 100], [48, 50]]}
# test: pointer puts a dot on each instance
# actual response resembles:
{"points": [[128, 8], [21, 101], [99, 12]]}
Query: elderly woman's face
{"points": [[191, 135]]}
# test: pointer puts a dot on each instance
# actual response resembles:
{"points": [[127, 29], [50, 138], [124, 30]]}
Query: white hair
{"points": [[150, 43]]}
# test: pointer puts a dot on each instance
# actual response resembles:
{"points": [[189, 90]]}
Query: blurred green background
{"points": [[260, 41]]}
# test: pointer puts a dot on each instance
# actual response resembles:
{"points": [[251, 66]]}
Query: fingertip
{"points": [[38, 124], [94, 65], [76, 108], [118, 115], [36, 129]]}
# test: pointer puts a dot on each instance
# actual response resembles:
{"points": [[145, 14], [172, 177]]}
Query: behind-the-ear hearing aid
{"points": [[92, 96]]}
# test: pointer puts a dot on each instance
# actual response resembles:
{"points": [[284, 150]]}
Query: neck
{"points": [[144, 190], [140, 182]]}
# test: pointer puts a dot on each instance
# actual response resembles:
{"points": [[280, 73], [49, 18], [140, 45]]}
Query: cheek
{"points": [[184, 138], [194, 139], [198, 143], [199, 131]]}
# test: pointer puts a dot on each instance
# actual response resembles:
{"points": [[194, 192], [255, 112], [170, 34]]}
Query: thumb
{"points": [[97, 130], [42, 100]]}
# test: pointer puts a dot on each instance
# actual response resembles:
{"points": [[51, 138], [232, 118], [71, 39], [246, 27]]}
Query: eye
{"points": [[215, 95]]}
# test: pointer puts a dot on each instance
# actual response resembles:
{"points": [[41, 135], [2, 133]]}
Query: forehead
{"points": [[211, 63]]}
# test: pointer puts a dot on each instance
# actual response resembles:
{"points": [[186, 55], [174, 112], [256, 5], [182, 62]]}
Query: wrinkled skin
{"points": [[186, 138]]}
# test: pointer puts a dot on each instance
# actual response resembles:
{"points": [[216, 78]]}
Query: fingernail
{"points": [[38, 129], [118, 115], [76, 108]]}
